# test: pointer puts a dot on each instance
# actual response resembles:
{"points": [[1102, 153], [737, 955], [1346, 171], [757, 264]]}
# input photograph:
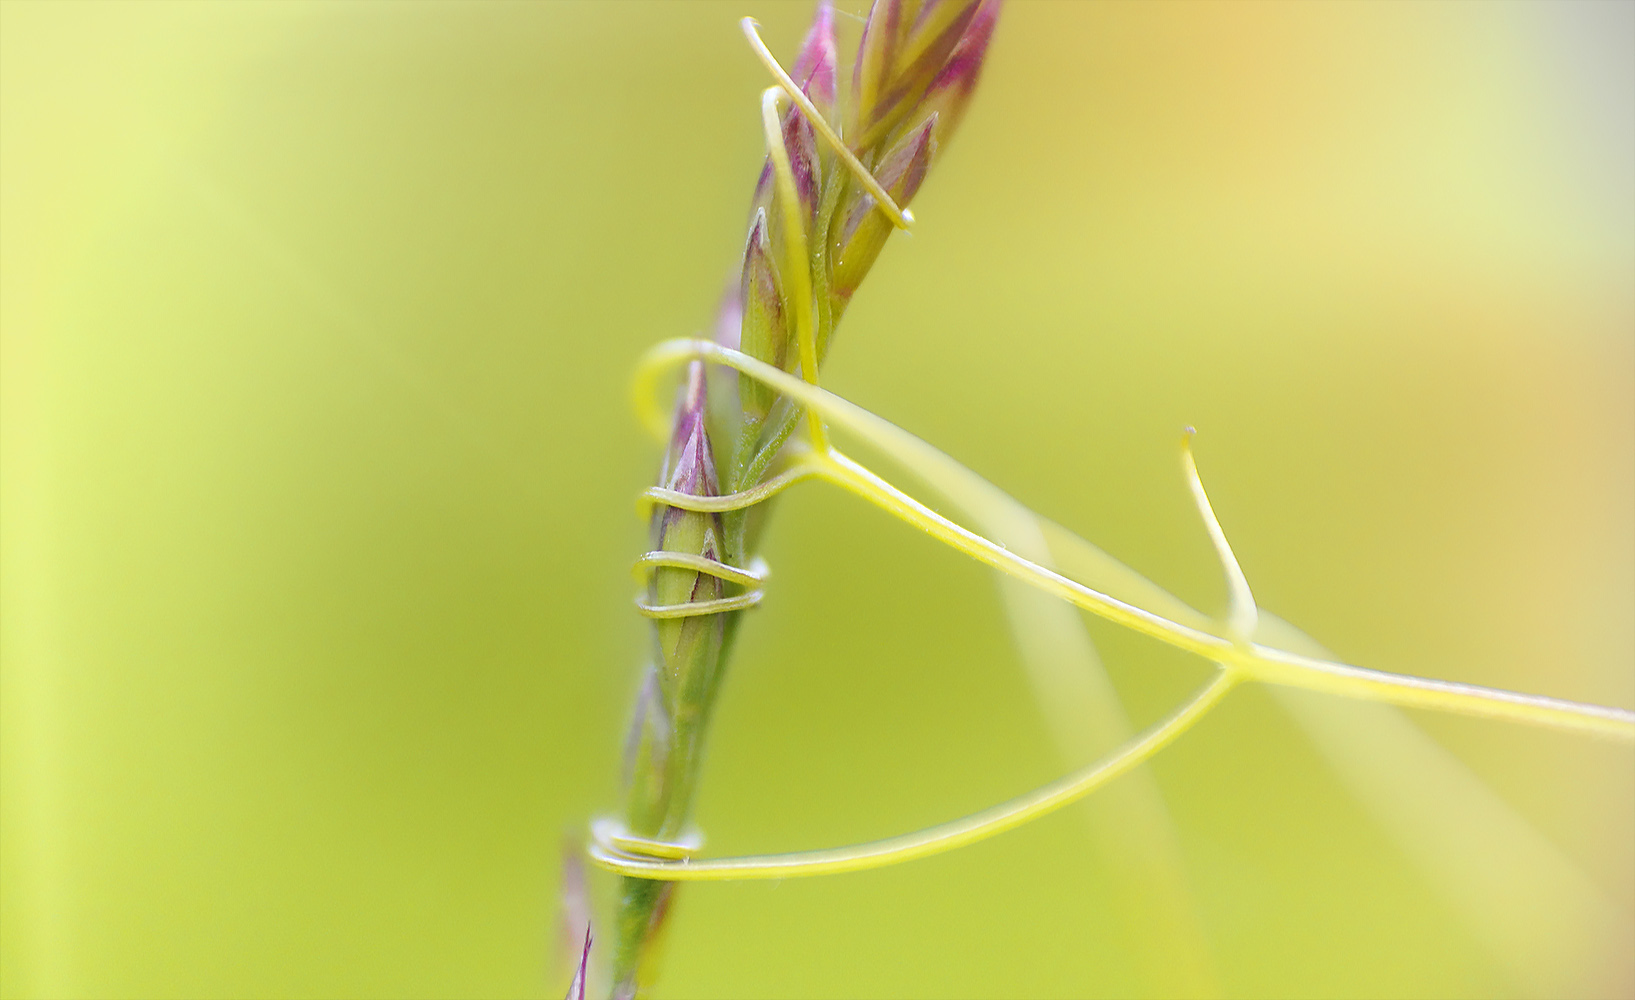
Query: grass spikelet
{"points": [[843, 165], [822, 211]]}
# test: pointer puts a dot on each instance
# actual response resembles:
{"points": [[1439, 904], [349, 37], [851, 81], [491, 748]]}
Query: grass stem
{"points": [[614, 851]]}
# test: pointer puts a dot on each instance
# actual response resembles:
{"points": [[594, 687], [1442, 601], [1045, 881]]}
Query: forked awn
{"points": [[1240, 659]]}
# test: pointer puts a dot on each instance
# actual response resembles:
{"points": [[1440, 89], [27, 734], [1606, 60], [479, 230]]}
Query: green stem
{"points": [[937, 839]]}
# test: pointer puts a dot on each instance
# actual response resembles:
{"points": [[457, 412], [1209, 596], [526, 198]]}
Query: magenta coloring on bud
{"points": [[759, 294], [965, 62], [691, 468], [815, 65], [904, 168], [763, 187], [576, 989], [800, 140], [901, 173], [875, 52]]}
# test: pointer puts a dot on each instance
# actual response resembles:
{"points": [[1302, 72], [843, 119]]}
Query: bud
{"points": [[950, 93], [900, 59], [687, 645], [916, 66], [800, 140], [762, 198], [576, 989], [871, 73], [865, 230], [815, 65], [763, 332], [573, 934], [667, 742]]}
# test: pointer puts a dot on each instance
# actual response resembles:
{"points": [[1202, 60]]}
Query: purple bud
{"points": [[901, 171], [576, 989], [950, 92], [763, 188], [872, 72], [909, 66], [815, 65], [763, 329], [800, 140], [690, 467], [801, 144], [573, 918], [936, 31]]}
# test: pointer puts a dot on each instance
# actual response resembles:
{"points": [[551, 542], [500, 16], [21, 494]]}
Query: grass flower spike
{"points": [[822, 210], [685, 596], [843, 165]]}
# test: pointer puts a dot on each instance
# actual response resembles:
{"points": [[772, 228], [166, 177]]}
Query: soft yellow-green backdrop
{"points": [[318, 480]]}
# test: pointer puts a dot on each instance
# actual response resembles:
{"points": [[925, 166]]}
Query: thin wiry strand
{"points": [[1240, 659], [1241, 613], [609, 835], [732, 501], [619, 852], [795, 256], [810, 215], [902, 218], [1263, 662]]}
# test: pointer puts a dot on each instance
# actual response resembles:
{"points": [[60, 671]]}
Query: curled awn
{"points": [[842, 166]]}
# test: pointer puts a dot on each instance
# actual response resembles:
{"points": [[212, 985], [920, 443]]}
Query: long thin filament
{"points": [[902, 218], [1259, 662], [924, 843], [1241, 611]]}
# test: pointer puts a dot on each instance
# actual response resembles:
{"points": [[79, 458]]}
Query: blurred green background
{"points": [[319, 476]]}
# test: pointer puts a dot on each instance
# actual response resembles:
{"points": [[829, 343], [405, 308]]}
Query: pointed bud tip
{"points": [[574, 915], [758, 240], [815, 65], [759, 292], [800, 140], [763, 331], [576, 989], [904, 168], [690, 465], [965, 61]]}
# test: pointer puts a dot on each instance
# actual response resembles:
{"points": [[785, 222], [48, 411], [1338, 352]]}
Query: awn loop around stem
{"points": [[617, 838], [1254, 660], [753, 578], [1237, 656], [732, 501]]}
